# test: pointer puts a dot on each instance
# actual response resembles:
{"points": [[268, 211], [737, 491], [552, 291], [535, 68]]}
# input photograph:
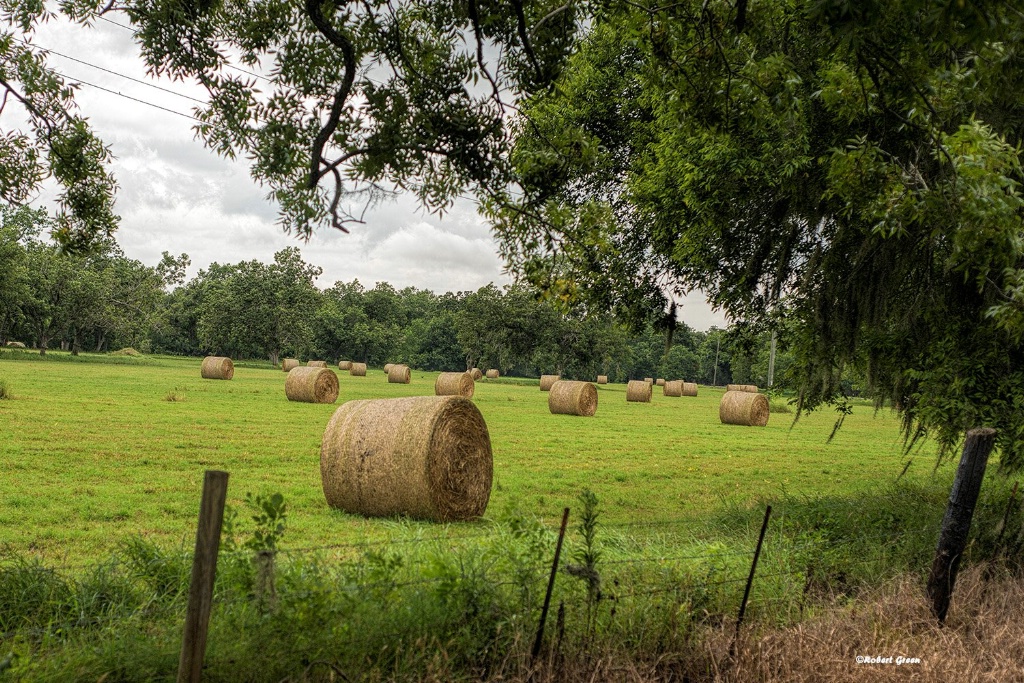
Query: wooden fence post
{"points": [[204, 571], [956, 524]]}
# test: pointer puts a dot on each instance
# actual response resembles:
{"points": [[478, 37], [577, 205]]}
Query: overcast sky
{"points": [[177, 196]]}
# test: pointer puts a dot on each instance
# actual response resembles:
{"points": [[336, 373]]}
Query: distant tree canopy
{"points": [[845, 173]]}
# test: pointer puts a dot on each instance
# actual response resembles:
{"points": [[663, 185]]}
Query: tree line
{"points": [[104, 301]]}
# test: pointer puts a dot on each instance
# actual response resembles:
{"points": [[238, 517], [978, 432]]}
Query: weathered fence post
{"points": [[204, 570], [750, 580], [956, 524], [547, 596]]}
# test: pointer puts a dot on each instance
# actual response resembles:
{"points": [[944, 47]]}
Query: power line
{"points": [[129, 97], [115, 73]]}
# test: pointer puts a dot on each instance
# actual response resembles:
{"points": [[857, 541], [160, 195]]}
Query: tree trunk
{"points": [[42, 344], [75, 346], [275, 357]]}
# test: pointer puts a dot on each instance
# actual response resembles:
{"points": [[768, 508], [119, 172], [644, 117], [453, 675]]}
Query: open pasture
{"points": [[94, 452]]}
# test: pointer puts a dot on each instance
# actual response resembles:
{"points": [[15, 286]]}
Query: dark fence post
{"points": [[204, 570], [750, 579], [547, 596], [956, 524]]}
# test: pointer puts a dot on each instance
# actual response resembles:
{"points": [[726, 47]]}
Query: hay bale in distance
{"points": [[660, 382], [493, 374], [547, 380], [752, 388], [288, 363], [399, 374], [454, 384], [689, 388], [572, 398], [217, 367], [387, 367], [673, 388], [427, 457], [649, 380], [476, 374], [638, 391], [316, 364], [357, 370], [744, 408], [602, 379], [311, 385], [16, 345], [344, 365]]}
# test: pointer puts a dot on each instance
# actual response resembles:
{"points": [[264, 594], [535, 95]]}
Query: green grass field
{"points": [[93, 452]]}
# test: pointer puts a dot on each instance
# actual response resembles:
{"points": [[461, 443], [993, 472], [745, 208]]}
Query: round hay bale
{"points": [[454, 384], [546, 381], [399, 374], [602, 379], [673, 388], [476, 374], [638, 391], [743, 408], [311, 385], [316, 364], [217, 367], [387, 367], [427, 457], [752, 388], [572, 398], [288, 363], [16, 344], [344, 365], [493, 374], [689, 388], [357, 370], [649, 380], [660, 382]]}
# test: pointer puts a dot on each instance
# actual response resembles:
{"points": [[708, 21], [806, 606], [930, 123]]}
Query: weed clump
{"points": [[5, 392]]}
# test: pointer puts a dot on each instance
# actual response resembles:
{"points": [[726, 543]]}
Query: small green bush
{"points": [[5, 392]]}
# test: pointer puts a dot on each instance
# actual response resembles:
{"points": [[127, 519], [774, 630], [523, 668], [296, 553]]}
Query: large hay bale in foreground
{"points": [[399, 374], [311, 385], [572, 398], [493, 374], [743, 408], [427, 457], [547, 380], [316, 364], [752, 388], [217, 367], [638, 391], [344, 365], [288, 363], [454, 384], [357, 370], [689, 388], [476, 374], [602, 379], [673, 388], [660, 382]]}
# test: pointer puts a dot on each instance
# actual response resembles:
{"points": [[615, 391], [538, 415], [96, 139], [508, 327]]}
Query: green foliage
{"points": [[5, 391]]}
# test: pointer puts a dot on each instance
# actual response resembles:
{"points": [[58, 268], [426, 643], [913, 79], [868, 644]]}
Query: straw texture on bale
{"points": [[689, 388], [289, 363], [426, 457], [476, 374], [673, 388], [752, 388], [649, 380], [344, 365], [573, 398], [399, 374], [357, 370], [311, 385], [743, 408], [660, 382], [387, 367], [493, 374], [454, 384], [217, 367], [316, 364], [602, 379], [638, 391], [546, 381]]}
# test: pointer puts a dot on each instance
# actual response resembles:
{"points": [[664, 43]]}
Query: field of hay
{"points": [[95, 451]]}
